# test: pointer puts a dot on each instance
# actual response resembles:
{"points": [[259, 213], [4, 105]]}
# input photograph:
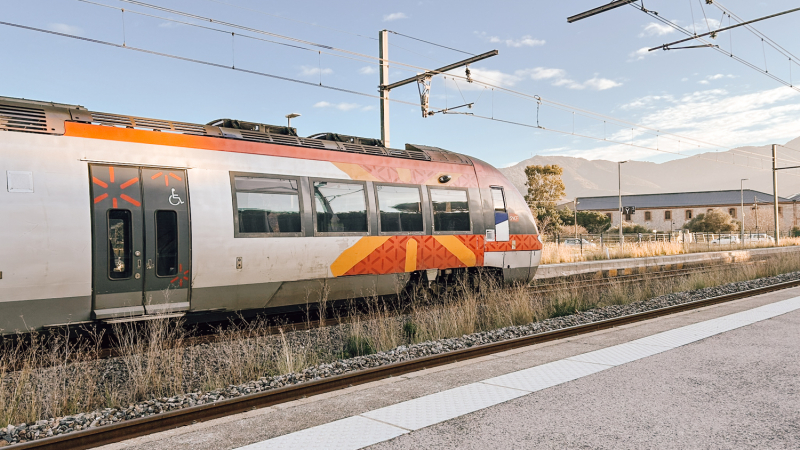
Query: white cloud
{"points": [[394, 16], [524, 41], [656, 29], [718, 76], [541, 73], [601, 84], [367, 70], [64, 28], [344, 106], [713, 115], [558, 77], [639, 54], [307, 71]]}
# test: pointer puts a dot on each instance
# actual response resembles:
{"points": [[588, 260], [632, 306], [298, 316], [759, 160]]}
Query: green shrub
{"points": [[358, 346], [561, 309], [410, 331]]}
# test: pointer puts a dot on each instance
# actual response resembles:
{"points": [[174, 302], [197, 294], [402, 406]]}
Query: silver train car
{"points": [[109, 217]]}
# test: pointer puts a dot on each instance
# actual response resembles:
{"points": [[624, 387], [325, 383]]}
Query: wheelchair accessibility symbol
{"points": [[174, 200]]}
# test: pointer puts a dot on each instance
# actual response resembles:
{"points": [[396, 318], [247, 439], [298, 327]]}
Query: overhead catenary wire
{"points": [[431, 43], [395, 63], [714, 47], [199, 61], [253, 72], [657, 149], [454, 76]]}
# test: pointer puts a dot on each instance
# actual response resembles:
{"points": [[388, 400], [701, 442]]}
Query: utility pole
{"points": [[576, 216], [383, 54], [755, 207], [775, 190], [423, 81], [741, 193], [775, 170], [619, 179]]}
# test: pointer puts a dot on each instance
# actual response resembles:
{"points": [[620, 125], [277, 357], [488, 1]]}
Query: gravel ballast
{"points": [[56, 426]]}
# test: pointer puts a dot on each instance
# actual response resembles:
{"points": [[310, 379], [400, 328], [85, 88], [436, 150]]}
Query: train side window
{"points": [[340, 207], [120, 265], [498, 199], [450, 210], [400, 209], [267, 205], [166, 243]]}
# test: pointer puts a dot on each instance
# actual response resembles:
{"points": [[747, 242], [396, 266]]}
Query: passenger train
{"points": [[107, 217]]}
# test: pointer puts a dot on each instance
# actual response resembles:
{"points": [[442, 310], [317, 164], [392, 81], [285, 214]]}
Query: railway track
{"points": [[301, 322], [147, 425]]}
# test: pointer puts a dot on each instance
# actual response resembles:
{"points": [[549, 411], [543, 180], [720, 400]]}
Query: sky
{"points": [[600, 64]]}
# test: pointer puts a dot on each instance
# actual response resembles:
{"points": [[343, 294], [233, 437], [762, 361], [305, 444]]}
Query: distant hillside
{"points": [[704, 172]]}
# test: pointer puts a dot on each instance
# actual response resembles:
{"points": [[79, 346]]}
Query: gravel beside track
{"points": [[56, 426]]}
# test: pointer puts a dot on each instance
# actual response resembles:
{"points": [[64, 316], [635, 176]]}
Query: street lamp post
{"points": [[619, 179], [289, 118], [576, 202], [741, 193]]}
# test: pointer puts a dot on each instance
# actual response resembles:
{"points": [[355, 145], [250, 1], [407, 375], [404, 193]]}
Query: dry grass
{"points": [[52, 376], [553, 253]]}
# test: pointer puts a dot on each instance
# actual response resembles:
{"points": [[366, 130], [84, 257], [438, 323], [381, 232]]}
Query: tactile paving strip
{"points": [[619, 354], [546, 375], [425, 411], [347, 434], [392, 421]]}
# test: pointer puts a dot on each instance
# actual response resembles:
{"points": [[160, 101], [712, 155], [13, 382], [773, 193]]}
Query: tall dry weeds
{"points": [[553, 253], [51, 376]]}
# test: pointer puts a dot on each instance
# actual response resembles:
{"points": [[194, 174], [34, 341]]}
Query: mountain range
{"points": [[710, 171]]}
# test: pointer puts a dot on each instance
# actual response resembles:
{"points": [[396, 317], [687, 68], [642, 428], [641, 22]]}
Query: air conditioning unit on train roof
{"points": [[347, 139], [252, 126]]}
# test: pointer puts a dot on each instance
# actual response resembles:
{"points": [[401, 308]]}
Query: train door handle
{"points": [[138, 263], [149, 264]]}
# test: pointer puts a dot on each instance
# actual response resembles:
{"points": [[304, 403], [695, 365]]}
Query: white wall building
{"points": [[664, 212]]}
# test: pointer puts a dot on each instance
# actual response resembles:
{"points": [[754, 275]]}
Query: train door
{"points": [[501, 231], [140, 225], [167, 276]]}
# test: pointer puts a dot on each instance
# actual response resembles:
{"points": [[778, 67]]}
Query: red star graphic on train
{"points": [[182, 275], [166, 177], [122, 186]]}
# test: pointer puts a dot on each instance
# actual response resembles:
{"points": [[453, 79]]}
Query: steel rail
{"points": [[129, 429]]}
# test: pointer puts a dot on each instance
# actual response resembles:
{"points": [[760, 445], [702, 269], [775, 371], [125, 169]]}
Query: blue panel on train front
{"points": [[501, 233]]}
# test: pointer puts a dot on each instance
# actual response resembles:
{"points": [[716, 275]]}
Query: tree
{"points": [[593, 221], [714, 221], [544, 185], [545, 188]]}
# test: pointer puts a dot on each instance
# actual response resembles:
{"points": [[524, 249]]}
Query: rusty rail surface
{"points": [[129, 429]]}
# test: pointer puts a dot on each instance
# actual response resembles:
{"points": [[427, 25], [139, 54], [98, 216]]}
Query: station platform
{"points": [[723, 376]]}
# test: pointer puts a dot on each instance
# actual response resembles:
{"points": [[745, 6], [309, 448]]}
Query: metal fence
{"points": [[729, 239]]}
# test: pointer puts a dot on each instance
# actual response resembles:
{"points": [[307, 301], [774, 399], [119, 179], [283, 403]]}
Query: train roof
{"points": [[33, 116]]}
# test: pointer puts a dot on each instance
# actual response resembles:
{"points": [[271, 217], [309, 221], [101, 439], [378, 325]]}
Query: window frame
{"points": [[734, 212], [433, 222], [648, 216], [313, 207], [688, 214], [668, 215], [237, 233], [177, 240], [503, 193], [110, 249], [421, 206]]}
